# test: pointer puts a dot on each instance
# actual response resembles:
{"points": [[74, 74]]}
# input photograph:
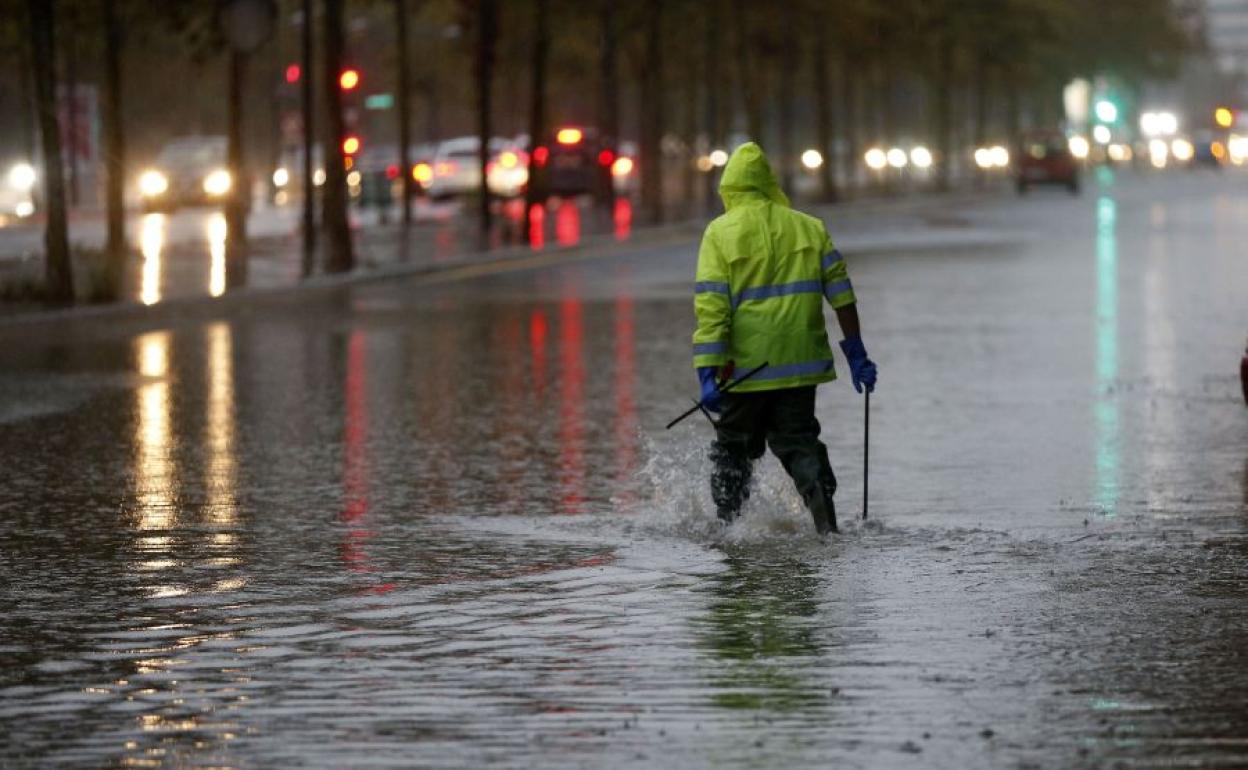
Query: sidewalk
{"points": [[188, 277]]}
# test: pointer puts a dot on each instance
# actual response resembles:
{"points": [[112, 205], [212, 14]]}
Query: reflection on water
{"points": [[217, 230], [567, 223], [762, 622], [220, 450], [151, 246], [1107, 410], [622, 218], [537, 226], [625, 379], [571, 407], [153, 466]]}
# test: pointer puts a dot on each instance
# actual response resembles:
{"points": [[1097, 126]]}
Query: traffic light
{"points": [[1224, 117], [349, 80], [293, 73], [350, 145]]}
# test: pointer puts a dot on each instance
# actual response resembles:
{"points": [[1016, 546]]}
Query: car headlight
{"points": [[217, 183], [22, 177], [153, 183]]}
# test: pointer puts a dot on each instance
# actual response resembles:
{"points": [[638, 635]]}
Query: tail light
{"points": [[392, 171], [541, 155], [606, 158]]}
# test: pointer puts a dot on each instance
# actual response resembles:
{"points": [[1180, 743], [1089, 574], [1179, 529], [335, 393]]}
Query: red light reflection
{"points": [[537, 226], [571, 408], [568, 223], [622, 216]]}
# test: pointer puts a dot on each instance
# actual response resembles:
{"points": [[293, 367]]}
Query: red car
{"points": [[1044, 157]]}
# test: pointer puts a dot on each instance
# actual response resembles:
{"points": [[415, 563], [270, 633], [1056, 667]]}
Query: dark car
{"points": [[1044, 157], [574, 160]]}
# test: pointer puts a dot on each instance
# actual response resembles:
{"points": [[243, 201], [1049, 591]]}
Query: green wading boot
{"points": [[822, 509]]}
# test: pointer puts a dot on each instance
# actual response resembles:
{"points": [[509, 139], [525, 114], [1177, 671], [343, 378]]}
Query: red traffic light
{"points": [[293, 72], [349, 80], [350, 145]]}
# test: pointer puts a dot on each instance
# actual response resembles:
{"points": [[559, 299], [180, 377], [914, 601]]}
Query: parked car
{"points": [[17, 192], [1044, 157], [190, 171]]}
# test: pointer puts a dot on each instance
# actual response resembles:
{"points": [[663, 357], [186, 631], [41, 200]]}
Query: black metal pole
{"points": [[700, 406], [866, 451]]}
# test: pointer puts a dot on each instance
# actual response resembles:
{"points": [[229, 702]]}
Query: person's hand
{"points": [[861, 368], [711, 396]]}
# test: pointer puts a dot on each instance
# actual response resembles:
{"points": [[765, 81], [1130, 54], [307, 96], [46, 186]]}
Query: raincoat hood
{"points": [[748, 175]]}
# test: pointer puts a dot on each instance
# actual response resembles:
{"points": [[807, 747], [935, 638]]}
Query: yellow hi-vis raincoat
{"points": [[763, 273]]}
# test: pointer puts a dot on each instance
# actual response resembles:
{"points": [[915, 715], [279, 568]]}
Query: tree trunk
{"points": [[58, 271], [114, 148], [71, 103], [745, 70], [405, 111], [788, 58], [711, 81], [823, 117], [339, 257], [651, 115], [535, 192], [981, 112], [851, 113], [943, 93], [240, 189], [609, 105], [307, 112], [487, 34]]}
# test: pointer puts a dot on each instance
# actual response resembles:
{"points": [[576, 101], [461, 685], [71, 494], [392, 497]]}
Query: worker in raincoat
{"points": [[764, 271]]}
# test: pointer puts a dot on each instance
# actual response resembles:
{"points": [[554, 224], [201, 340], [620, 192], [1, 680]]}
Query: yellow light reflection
{"points": [[217, 230], [153, 472], [221, 465], [151, 245]]}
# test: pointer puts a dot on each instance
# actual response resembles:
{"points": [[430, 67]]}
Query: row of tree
{"points": [[682, 76]]}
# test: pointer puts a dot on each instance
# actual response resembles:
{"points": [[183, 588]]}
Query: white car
{"points": [[189, 171], [17, 192], [457, 168]]}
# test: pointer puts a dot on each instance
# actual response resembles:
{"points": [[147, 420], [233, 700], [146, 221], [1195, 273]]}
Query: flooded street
{"points": [[436, 521]]}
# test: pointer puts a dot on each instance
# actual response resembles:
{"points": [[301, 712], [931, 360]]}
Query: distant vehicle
{"points": [[1209, 150], [190, 171], [507, 173], [17, 192], [574, 160], [1044, 157], [457, 167]]}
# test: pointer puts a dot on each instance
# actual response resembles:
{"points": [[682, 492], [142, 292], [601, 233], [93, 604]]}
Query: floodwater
{"points": [[432, 523]]}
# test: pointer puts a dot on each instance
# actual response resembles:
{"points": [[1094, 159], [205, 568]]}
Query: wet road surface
{"points": [[434, 522]]}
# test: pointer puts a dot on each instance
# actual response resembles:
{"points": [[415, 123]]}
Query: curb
{"points": [[465, 265]]}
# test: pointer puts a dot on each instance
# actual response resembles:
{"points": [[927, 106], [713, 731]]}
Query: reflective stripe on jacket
{"points": [[764, 271]]}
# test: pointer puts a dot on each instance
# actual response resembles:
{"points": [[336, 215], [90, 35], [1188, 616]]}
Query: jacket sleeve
{"points": [[836, 286], [712, 304]]}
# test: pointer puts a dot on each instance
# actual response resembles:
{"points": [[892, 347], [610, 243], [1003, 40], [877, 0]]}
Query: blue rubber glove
{"points": [[861, 368], [710, 389]]}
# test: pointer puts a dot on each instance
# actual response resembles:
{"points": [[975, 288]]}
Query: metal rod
{"points": [[725, 389], [866, 451]]}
